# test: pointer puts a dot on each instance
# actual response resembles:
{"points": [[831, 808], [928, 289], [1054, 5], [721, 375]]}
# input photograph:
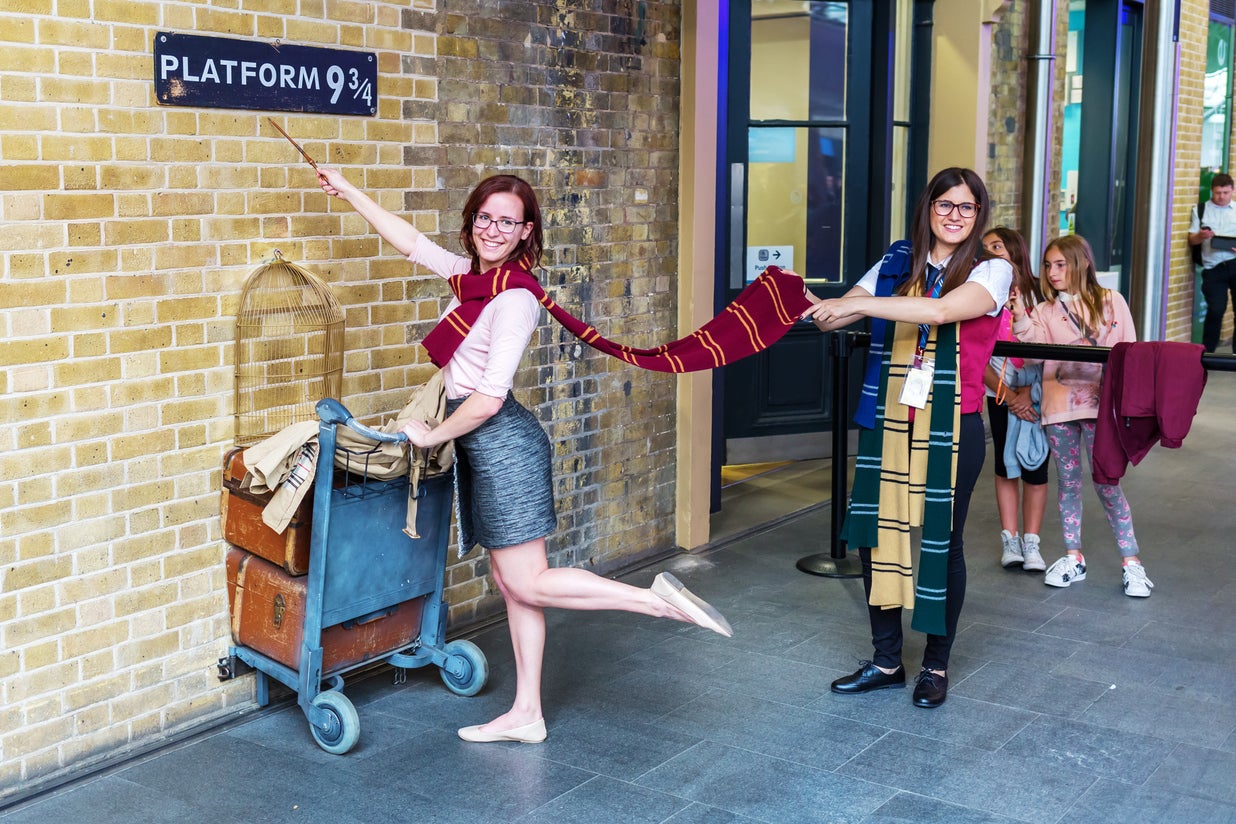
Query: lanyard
{"points": [[924, 329]]}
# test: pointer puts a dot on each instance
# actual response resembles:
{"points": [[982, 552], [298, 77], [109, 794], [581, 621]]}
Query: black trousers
{"points": [[886, 633], [1216, 283]]}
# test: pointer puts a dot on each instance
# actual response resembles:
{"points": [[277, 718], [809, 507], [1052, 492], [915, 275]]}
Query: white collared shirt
{"points": [[993, 274], [1222, 221]]}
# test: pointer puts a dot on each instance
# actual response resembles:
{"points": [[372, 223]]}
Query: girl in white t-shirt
{"points": [[503, 457]]}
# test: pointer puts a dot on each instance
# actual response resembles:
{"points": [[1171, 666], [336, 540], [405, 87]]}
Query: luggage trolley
{"points": [[363, 566]]}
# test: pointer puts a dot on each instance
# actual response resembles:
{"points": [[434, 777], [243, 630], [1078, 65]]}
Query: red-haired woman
{"points": [[503, 464]]}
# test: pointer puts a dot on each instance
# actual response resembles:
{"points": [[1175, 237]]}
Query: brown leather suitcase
{"points": [[267, 606], [241, 513]]}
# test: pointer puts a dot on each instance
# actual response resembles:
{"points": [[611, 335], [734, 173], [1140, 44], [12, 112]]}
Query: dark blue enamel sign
{"points": [[222, 73]]}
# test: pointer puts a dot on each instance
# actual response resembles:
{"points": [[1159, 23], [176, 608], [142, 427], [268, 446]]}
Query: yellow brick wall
{"points": [[128, 229], [1182, 291], [1194, 24]]}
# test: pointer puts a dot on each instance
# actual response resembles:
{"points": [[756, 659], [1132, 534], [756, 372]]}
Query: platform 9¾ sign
{"points": [[223, 73]]}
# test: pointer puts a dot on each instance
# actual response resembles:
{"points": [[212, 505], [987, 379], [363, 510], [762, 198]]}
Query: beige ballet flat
{"points": [[670, 589], [533, 733]]}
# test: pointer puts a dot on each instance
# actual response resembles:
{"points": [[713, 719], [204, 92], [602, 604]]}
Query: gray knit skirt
{"points": [[504, 480]]}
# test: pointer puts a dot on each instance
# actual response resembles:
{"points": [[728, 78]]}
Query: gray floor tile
{"points": [[779, 730], [105, 799], [620, 749], [239, 780], [1151, 711], [704, 814], [696, 657], [1184, 642], [1198, 771], [288, 732], [604, 800], [1113, 802], [907, 808], [1025, 688], [711, 665], [1114, 667], [515, 779], [1091, 626], [1201, 680], [1106, 753], [969, 777], [765, 789], [960, 721], [1010, 646], [1004, 606]]}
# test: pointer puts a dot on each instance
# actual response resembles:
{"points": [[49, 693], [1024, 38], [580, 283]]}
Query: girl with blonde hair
{"points": [[1078, 311]]}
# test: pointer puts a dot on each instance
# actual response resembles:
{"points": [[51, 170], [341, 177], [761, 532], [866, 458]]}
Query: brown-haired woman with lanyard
{"points": [[504, 475], [935, 303]]}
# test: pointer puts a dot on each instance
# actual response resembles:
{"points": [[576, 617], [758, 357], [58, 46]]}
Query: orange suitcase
{"points": [[267, 607], [241, 513]]}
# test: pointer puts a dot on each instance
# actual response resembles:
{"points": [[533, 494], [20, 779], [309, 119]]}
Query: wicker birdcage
{"points": [[289, 349]]}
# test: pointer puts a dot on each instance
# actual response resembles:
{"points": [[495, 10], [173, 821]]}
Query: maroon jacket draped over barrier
{"points": [[1150, 395], [759, 317]]}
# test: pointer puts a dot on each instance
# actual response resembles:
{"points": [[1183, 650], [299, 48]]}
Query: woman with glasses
{"points": [[503, 457], [935, 302]]}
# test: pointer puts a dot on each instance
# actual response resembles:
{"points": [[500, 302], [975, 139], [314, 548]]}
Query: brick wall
{"points": [[1006, 132], [1007, 136], [1194, 23], [1010, 100], [129, 230]]}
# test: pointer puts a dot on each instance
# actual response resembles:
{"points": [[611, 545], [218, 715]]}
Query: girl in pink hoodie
{"points": [[1079, 312]]}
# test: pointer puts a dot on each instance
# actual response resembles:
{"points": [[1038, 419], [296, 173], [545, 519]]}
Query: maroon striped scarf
{"points": [[760, 315]]}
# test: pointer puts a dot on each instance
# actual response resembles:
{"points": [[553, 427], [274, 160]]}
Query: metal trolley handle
{"points": [[332, 411]]}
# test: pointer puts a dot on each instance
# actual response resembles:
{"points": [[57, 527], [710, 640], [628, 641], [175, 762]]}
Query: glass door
{"points": [[817, 144]]}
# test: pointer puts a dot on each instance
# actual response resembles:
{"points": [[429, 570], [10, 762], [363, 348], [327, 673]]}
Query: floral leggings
{"points": [[1066, 441]]}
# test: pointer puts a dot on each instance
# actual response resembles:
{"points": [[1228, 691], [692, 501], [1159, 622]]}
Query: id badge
{"points": [[917, 385]]}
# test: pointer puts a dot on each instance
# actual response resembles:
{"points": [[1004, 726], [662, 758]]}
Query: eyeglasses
{"points": [[505, 225], [944, 208]]}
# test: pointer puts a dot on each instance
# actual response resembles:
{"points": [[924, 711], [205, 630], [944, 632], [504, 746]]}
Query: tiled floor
{"points": [[1067, 705]]}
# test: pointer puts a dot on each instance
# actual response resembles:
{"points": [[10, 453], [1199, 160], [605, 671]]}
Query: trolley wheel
{"points": [[466, 669], [342, 728]]}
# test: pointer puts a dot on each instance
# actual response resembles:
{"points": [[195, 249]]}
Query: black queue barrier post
{"points": [[834, 563]]}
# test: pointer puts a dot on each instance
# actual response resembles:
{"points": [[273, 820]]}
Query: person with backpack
{"points": [[1212, 236]]}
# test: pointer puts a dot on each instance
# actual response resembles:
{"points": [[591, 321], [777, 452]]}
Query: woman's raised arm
{"points": [[395, 230]]}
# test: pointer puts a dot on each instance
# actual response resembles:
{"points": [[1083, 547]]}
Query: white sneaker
{"points": [[1065, 571], [1012, 549], [1136, 584], [1032, 558]]}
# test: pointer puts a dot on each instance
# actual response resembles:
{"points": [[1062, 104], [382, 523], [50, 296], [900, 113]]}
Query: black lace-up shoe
{"points": [[930, 689], [869, 677]]}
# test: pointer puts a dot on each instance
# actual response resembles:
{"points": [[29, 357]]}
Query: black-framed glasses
{"points": [[944, 208], [505, 225]]}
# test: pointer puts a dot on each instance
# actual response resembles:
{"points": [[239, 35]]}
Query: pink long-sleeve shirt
{"points": [[487, 359], [1070, 389]]}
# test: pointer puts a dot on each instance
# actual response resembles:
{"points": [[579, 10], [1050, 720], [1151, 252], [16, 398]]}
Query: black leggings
{"points": [[886, 623]]}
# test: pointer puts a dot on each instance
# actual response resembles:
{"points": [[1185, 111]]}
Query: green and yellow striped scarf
{"points": [[897, 488]]}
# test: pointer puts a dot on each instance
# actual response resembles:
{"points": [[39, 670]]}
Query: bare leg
{"points": [[1006, 503], [1033, 505], [528, 586]]}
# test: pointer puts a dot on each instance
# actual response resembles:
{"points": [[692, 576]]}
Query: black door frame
{"points": [[1111, 54], [867, 225]]}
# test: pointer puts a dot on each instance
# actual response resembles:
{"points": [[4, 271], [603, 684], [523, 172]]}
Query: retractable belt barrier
{"points": [[843, 343]]}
